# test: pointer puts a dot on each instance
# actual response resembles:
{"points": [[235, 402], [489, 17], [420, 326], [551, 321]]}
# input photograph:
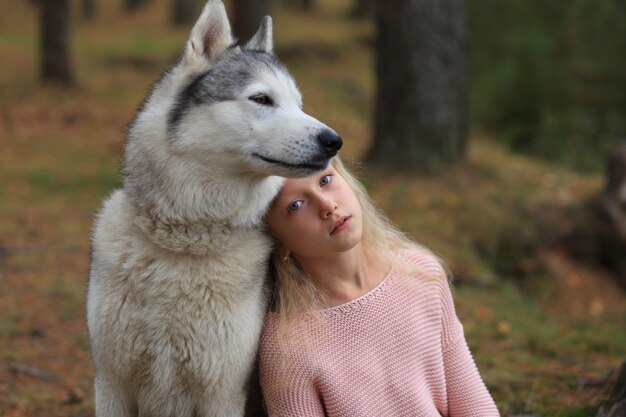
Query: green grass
{"points": [[584, 411], [532, 358], [8, 325], [71, 297], [46, 184]]}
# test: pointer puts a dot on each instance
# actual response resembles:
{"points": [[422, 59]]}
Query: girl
{"points": [[362, 321]]}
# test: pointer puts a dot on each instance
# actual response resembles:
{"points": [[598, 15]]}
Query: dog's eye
{"points": [[262, 99]]}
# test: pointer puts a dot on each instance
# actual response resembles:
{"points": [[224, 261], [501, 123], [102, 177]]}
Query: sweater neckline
{"points": [[356, 302]]}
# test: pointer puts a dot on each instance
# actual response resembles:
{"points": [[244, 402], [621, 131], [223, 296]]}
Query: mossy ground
{"points": [[544, 347]]}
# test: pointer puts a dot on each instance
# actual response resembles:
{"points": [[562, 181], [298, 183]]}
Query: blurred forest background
{"points": [[483, 128]]}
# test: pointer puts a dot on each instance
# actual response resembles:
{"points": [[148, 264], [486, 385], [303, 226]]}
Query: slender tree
{"points": [[421, 110], [54, 18], [185, 12], [247, 16], [89, 9]]}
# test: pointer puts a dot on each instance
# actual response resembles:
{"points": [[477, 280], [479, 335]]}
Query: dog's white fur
{"points": [[176, 293]]}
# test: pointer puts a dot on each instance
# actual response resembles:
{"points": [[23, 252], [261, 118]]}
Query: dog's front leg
{"points": [[226, 402], [111, 399]]}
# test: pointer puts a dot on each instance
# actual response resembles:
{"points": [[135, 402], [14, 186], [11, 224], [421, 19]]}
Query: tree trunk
{"points": [[596, 232], [89, 9], [55, 41], [613, 204], [185, 12], [306, 5], [247, 17], [132, 5], [421, 106], [615, 403], [365, 8], [614, 196]]}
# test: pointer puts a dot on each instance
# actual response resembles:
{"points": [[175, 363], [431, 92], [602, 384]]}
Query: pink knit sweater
{"points": [[398, 350]]}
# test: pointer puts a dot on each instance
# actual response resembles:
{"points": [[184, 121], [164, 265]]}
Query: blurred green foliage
{"points": [[549, 76]]}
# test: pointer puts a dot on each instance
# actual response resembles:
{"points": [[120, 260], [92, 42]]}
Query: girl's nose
{"points": [[327, 207]]}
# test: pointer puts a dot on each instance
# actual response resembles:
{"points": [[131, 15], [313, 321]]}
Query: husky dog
{"points": [[176, 295]]}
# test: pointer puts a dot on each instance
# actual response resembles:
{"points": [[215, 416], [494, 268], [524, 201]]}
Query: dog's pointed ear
{"points": [[211, 35], [263, 39]]}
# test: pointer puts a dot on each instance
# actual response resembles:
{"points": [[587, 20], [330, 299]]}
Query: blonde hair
{"points": [[296, 297], [295, 292]]}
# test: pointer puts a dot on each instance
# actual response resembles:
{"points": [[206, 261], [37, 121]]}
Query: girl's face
{"points": [[316, 216]]}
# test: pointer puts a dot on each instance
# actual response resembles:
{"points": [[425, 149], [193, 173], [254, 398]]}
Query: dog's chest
{"points": [[185, 315], [214, 314], [206, 311], [221, 277]]}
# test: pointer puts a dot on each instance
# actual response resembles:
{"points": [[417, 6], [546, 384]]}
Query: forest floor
{"points": [[544, 345]]}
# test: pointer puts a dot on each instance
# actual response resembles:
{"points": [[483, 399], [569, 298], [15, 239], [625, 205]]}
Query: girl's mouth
{"points": [[341, 224]]}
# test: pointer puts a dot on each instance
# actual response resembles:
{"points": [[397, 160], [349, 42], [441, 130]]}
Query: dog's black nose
{"points": [[330, 141]]}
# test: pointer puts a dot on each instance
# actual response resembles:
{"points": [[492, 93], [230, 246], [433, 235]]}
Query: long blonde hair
{"points": [[296, 297], [294, 292]]}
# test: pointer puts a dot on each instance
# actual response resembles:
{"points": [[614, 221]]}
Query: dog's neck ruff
{"points": [[192, 237]]}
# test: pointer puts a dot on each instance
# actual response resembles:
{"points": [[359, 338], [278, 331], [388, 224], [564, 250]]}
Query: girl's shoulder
{"points": [[421, 261], [434, 289], [421, 269]]}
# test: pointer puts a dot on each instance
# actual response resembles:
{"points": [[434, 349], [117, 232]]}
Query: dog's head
{"points": [[239, 104]]}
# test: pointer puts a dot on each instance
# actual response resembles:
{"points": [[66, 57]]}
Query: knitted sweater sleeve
{"points": [[467, 394], [286, 380], [301, 400]]}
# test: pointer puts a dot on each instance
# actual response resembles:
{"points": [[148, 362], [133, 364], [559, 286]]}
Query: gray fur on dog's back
{"points": [[177, 294]]}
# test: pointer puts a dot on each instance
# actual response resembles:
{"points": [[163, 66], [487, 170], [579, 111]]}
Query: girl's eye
{"points": [[262, 99], [325, 179], [295, 205]]}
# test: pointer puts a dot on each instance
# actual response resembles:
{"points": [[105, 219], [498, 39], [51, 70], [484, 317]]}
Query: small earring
{"points": [[286, 257]]}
